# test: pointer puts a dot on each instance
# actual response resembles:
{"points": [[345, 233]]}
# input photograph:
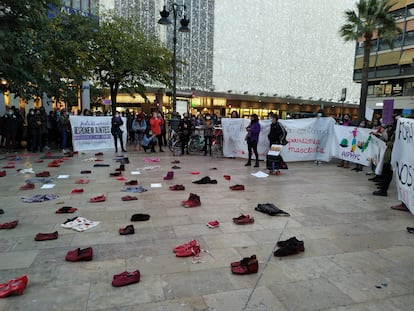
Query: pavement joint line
{"points": [[264, 268]]}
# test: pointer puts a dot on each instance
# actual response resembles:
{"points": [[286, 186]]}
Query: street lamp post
{"points": [[175, 8]]}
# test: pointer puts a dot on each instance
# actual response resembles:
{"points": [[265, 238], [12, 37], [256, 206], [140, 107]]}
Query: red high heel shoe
{"points": [[14, 287]]}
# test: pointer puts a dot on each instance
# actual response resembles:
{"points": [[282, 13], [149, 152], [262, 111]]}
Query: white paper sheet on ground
{"points": [[63, 176], [27, 171], [48, 186], [135, 173], [156, 185], [260, 174]]}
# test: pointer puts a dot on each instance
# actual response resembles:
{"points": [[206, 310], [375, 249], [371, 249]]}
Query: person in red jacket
{"points": [[155, 122]]}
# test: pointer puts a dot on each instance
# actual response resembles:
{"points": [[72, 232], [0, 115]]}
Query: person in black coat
{"points": [[116, 131], [184, 130], [277, 134]]}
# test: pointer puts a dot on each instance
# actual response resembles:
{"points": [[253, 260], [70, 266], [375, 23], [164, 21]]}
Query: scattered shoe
{"points": [[410, 229], [227, 177], [86, 172], [46, 236], [126, 278], [82, 181], [43, 174], [127, 230], [99, 154], [205, 180], [175, 167], [100, 198], [54, 164], [9, 166], [185, 245], [177, 188], [140, 217], [169, 176], [2, 173], [27, 186], [270, 209], [13, 287], [291, 246], [131, 183], [66, 210], [213, 224], [243, 219], [188, 251], [74, 191], [129, 198], [78, 254], [9, 225], [290, 241], [193, 201], [1, 211], [175, 162], [244, 261], [115, 174], [249, 266], [237, 187]]}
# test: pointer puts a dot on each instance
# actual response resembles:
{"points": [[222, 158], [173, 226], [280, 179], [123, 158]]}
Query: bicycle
{"points": [[196, 143], [173, 141], [217, 141]]}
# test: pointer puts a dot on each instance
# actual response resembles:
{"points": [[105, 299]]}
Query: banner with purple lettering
{"points": [[402, 161], [93, 133], [353, 144]]}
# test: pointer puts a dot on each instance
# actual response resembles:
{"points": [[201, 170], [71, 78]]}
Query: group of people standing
{"points": [[38, 131]]}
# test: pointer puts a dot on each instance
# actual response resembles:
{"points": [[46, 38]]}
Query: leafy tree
{"points": [[22, 23], [124, 57], [372, 17]]}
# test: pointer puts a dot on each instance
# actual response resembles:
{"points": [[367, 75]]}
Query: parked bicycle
{"points": [[173, 140]]}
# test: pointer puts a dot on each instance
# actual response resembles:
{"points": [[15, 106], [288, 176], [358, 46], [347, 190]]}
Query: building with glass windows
{"points": [[391, 73]]}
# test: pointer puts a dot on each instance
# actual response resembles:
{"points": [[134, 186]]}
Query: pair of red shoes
{"points": [[191, 248], [126, 278], [9, 225], [247, 265], [14, 286], [78, 254]]}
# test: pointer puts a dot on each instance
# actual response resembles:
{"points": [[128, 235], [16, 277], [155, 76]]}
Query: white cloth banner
{"points": [[402, 161], [93, 133], [354, 144], [308, 139], [234, 133]]}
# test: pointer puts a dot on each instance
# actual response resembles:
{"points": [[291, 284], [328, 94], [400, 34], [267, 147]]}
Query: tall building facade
{"points": [[391, 74]]}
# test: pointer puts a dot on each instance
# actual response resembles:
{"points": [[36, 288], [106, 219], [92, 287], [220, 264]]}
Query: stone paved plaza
{"points": [[358, 254]]}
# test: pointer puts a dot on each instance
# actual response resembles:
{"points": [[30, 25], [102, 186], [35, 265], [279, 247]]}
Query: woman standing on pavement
{"points": [[155, 123], [252, 138]]}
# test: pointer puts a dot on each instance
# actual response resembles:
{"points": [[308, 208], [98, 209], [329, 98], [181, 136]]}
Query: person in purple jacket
{"points": [[252, 138]]}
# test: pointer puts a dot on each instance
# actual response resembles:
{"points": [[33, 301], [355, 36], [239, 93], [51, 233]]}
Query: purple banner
{"points": [[387, 111]]}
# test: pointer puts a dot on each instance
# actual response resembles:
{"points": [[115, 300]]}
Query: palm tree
{"points": [[373, 17]]}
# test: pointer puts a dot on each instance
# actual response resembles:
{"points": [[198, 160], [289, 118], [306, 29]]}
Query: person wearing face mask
{"points": [[208, 133], [64, 128], [11, 127], [116, 131]]}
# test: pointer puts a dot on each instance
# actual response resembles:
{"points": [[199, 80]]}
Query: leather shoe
{"points": [[126, 278], [9, 225], [127, 230], [46, 236], [78, 254], [380, 193]]}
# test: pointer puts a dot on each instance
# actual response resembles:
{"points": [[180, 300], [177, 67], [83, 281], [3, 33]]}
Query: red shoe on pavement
{"points": [[131, 183], [126, 278], [78, 254], [27, 186], [187, 252], [177, 188], [243, 220], [193, 201], [9, 225], [43, 174], [2, 173], [237, 187], [246, 267], [185, 245], [213, 224]]}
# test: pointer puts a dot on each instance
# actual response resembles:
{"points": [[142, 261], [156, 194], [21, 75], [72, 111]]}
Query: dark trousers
{"points": [[116, 142], [386, 177], [252, 145], [184, 139], [159, 141], [207, 144]]}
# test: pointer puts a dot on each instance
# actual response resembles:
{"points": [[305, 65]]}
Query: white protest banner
{"points": [[308, 139], [402, 161], [93, 133], [234, 134], [378, 149], [353, 144]]}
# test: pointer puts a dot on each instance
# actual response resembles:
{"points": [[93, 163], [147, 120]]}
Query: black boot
{"points": [[248, 163], [257, 164]]}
